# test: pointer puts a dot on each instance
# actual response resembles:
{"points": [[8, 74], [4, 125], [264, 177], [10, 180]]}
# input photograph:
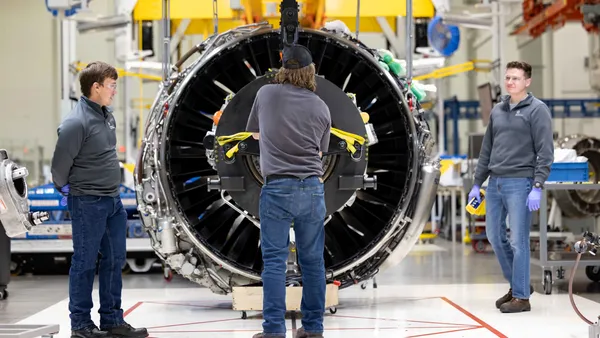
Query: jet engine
{"points": [[198, 178]]}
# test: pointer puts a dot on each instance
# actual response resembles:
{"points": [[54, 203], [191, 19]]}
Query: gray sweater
{"points": [[86, 156], [518, 142], [294, 126]]}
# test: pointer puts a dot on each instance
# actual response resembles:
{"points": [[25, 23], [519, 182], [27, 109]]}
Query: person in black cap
{"points": [[293, 126]]}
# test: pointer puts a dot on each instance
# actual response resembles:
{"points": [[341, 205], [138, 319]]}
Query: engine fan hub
{"points": [[242, 179]]}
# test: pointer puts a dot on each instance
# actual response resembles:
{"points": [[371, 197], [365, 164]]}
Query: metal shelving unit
{"points": [[558, 259]]}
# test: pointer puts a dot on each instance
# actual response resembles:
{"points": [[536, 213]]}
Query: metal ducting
{"points": [[200, 207], [580, 203]]}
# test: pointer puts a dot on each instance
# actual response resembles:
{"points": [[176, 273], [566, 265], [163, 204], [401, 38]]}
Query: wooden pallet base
{"points": [[250, 298]]}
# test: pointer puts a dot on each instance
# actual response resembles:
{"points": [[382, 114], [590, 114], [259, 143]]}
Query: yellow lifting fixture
{"points": [[241, 136]]}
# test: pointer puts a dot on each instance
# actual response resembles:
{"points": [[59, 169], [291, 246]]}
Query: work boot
{"points": [[508, 297], [127, 331], [262, 335], [516, 305], [303, 334], [89, 332]]}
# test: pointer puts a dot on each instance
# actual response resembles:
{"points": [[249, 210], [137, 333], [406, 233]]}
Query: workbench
{"points": [[549, 260]]}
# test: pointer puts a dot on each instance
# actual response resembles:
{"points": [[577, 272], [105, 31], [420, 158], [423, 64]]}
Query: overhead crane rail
{"points": [[538, 17]]}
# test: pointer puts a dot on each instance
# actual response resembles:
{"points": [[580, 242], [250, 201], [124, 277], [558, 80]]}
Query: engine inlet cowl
{"points": [[198, 194]]}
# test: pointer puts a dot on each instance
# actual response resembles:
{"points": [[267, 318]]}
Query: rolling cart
{"points": [[549, 260]]}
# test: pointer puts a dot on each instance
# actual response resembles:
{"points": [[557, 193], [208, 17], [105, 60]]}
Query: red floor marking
{"points": [[130, 310], [443, 332], [326, 329], [466, 327], [472, 316], [190, 305], [403, 320], [195, 323]]}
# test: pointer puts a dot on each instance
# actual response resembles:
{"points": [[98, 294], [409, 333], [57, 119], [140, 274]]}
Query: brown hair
{"points": [[96, 71], [303, 77], [522, 65]]}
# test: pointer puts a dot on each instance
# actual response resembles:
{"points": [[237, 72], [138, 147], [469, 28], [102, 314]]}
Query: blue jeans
{"points": [[283, 201], [508, 196], [99, 226]]}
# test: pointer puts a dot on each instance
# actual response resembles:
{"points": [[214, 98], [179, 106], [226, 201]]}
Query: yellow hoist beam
{"points": [[375, 8], [313, 13], [122, 72], [151, 10], [457, 69]]}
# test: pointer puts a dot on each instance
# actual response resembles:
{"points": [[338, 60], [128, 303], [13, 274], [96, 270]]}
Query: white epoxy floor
{"points": [[463, 310]]}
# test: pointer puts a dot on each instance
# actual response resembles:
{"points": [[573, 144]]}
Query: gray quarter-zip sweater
{"points": [[85, 156], [518, 142]]}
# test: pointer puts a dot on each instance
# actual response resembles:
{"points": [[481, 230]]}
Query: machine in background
{"points": [[15, 217]]}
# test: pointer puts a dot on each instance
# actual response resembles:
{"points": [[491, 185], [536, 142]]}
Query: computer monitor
{"points": [[475, 144], [486, 102]]}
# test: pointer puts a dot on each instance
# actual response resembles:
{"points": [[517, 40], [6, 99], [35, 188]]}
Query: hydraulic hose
{"points": [[571, 291]]}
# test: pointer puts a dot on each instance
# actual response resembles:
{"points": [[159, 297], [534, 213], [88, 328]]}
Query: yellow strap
{"points": [[230, 138], [235, 137], [349, 138], [344, 135]]}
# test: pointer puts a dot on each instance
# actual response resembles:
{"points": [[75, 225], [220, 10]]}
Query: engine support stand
{"points": [[594, 330], [250, 298]]}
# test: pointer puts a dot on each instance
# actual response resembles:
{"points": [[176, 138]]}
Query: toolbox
{"points": [[569, 172]]}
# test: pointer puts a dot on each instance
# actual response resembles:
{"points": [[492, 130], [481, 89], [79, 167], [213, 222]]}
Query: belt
{"points": [[279, 177]]}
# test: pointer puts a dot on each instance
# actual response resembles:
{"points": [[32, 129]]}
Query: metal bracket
{"points": [[289, 22]]}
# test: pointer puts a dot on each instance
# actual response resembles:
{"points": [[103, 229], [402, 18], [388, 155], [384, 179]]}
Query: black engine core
{"points": [[344, 116]]}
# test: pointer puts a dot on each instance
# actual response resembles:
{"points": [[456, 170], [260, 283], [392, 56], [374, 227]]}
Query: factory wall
{"points": [[30, 91]]}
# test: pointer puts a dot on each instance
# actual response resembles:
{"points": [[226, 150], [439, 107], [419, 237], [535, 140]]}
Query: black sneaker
{"points": [[89, 332], [508, 297], [516, 305], [125, 331]]}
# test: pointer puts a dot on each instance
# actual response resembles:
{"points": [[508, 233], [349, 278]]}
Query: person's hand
{"points": [[533, 201], [475, 193], [65, 192]]}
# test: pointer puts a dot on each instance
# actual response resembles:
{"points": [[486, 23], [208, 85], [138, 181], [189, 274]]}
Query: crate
{"points": [[569, 172]]}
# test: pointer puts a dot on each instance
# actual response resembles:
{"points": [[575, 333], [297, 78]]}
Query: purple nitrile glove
{"points": [[65, 192], [533, 201], [475, 193]]}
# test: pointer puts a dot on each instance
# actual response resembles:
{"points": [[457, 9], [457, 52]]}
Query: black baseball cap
{"points": [[296, 56]]}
